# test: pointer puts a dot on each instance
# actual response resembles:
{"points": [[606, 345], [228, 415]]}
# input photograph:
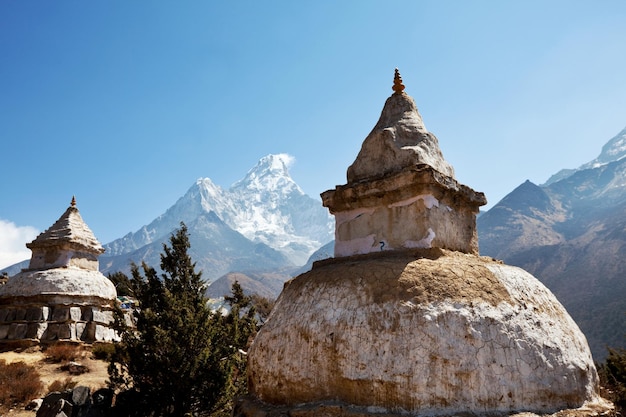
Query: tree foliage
{"points": [[613, 377], [121, 283], [180, 357]]}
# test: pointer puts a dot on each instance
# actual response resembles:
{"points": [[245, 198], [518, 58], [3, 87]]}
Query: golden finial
{"points": [[398, 87], [73, 201]]}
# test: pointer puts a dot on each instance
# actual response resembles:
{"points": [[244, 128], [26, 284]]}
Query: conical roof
{"points": [[70, 228], [399, 140], [401, 193]]}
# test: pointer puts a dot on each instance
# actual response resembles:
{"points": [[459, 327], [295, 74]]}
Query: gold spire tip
{"points": [[398, 87], [73, 201]]}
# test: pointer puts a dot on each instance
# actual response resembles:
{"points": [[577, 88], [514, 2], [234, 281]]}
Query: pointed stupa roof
{"points": [[399, 140], [70, 228], [401, 192]]}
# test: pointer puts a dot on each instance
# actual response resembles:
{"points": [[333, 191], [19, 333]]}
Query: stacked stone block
{"points": [[54, 323]]}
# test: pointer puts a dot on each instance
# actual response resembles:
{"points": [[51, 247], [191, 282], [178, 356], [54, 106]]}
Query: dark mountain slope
{"points": [[571, 234], [215, 247]]}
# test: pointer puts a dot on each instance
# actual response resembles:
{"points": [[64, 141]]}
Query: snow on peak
{"points": [[270, 174], [277, 163], [613, 150], [265, 206], [268, 206]]}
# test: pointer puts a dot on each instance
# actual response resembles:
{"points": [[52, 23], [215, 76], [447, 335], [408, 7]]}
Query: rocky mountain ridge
{"points": [[571, 234], [262, 222]]}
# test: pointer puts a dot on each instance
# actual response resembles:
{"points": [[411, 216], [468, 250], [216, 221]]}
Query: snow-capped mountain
{"points": [[266, 207], [613, 150]]}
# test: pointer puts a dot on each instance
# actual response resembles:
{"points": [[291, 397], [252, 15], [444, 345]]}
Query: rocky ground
{"points": [[49, 372]]}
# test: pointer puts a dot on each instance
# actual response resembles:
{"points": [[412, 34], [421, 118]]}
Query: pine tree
{"points": [[176, 360], [241, 326]]}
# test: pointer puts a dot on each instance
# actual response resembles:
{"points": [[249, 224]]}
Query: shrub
{"points": [[103, 351], [63, 353], [19, 383], [613, 377], [181, 358], [61, 385]]}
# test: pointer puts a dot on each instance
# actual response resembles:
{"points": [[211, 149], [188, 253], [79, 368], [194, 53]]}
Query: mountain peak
{"points": [[270, 173], [274, 164], [266, 206], [613, 150], [279, 163]]}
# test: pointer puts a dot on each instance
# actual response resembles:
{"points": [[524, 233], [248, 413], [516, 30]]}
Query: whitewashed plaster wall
{"points": [[453, 333]]}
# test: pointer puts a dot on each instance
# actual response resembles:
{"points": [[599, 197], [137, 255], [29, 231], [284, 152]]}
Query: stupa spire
{"points": [[73, 203], [398, 87]]}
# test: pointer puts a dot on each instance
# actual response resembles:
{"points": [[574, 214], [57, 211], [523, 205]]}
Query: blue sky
{"points": [[125, 104]]}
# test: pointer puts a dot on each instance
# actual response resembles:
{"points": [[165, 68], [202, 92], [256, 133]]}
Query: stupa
{"points": [[408, 319], [61, 296]]}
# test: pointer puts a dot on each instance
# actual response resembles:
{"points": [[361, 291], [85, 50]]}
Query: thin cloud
{"points": [[12, 242]]}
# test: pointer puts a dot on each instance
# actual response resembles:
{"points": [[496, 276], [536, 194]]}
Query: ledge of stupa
{"points": [[401, 186], [416, 207]]}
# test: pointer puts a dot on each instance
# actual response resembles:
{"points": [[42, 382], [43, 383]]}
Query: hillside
{"points": [[571, 234]]}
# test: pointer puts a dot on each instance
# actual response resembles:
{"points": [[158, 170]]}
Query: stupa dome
{"points": [[408, 319]]}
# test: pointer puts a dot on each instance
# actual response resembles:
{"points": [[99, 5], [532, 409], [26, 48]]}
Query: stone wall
{"points": [[48, 323]]}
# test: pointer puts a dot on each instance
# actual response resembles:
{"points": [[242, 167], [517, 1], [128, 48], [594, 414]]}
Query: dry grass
{"points": [[61, 385], [64, 353], [50, 373], [19, 384]]}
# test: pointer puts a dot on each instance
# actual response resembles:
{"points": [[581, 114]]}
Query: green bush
{"points": [[613, 377], [103, 351], [181, 358]]}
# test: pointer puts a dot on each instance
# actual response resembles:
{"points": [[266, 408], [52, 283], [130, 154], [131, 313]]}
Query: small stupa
{"points": [[61, 296], [408, 319]]}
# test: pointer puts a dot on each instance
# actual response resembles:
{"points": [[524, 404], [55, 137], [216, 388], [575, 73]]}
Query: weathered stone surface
{"points": [[36, 330], [37, 313], [75, 313], [89, 333], [66, 281], [443, 333], [398, 140], [60, 313], [4, 331], [104, 333], [64, 331], [17, 331], [80, 330], [251, 407], [20, 314], [10, 315], [81, 396], [51, 332], [51, 406], [103, 398], [104, 317], [4, 312], [417, 207]]}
